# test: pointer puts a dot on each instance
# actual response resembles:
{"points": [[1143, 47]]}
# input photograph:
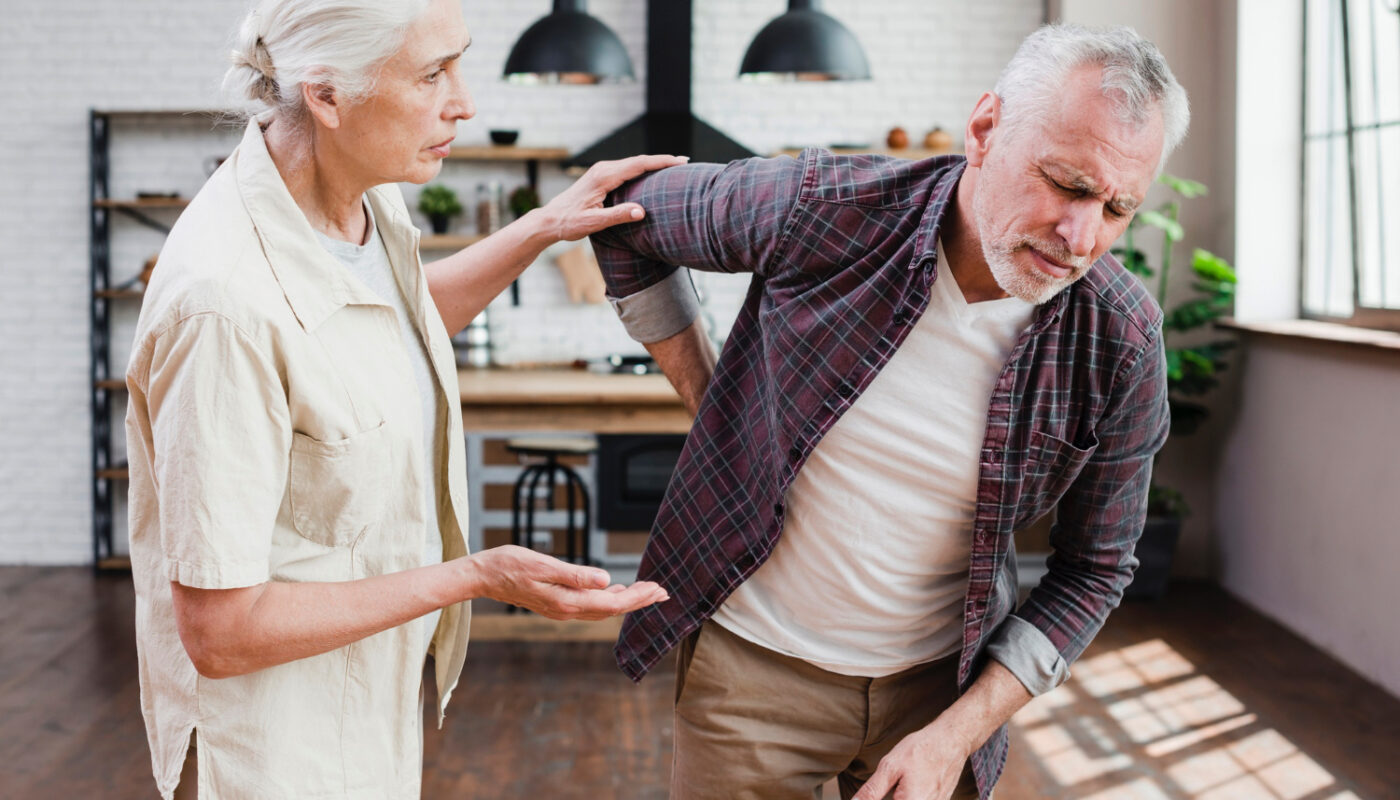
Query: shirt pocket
{"points": [[338, 487], [1052, 465]]}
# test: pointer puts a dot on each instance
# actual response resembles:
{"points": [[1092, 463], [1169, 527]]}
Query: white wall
{"points": [[931, 58], [1198, 39], [1309, 521]]}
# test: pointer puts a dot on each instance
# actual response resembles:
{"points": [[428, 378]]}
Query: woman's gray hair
{"points": [[283, 44], [1135, 77]]}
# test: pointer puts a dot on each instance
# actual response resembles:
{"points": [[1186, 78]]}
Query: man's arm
{"points": [[688, 359], [705, 216]]}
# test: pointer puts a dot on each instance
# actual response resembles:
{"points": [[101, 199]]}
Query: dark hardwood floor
{"points": [[1196, 697]]}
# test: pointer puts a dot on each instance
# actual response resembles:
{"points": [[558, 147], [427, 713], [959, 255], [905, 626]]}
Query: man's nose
{"points": [[1079, 226]]}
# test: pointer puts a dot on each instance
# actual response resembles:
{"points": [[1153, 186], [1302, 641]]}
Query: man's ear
{"points": [[980, 128], [323, 103]]}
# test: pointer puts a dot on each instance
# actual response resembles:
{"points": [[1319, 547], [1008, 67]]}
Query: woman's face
{"points": [[403, 131]]}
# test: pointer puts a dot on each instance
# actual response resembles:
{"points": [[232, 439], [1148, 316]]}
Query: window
{"points": [[1351, 161]]}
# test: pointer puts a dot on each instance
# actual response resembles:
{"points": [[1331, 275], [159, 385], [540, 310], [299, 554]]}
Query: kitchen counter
{"points": [[569, 399]]}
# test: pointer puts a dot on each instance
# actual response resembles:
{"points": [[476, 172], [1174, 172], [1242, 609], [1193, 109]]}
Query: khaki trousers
{"points": [[752, 723]]}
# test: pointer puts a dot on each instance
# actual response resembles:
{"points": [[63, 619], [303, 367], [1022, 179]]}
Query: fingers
{"points": [[628, 168], [601, 603], [596, 219], [879, 784]]}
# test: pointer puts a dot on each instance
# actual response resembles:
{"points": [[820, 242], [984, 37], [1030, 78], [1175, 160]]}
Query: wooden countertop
{"points": [[551, 387], [569, 399]]}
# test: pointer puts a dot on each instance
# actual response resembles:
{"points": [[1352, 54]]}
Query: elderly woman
{"points": [[298, 495]]}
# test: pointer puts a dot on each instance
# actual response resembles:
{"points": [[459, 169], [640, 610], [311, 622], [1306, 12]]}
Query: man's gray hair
{"points": [[1135, 77], [283, 44]]}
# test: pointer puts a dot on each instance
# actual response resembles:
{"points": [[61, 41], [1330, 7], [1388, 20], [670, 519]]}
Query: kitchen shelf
{"points": [[114, 474], [496, 152], [119, 294], [112, 384], [141, 203]]}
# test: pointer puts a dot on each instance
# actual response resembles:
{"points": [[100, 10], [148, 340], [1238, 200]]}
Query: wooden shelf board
{"points": [[115, 473], [119, 294], [497, 152], [163, 113], [447, 242], [115, 563], [114, 384], [144, 202]]}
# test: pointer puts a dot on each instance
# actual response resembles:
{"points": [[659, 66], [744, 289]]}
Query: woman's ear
{"points": [[980, 128], [323, 103]]}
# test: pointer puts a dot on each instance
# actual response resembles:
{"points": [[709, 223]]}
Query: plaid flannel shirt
{"points": [[843, 254]]}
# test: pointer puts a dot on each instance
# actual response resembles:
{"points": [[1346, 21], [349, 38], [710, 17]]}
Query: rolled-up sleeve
{"points": [[1099, 521], [220, 438], [720, 218]]}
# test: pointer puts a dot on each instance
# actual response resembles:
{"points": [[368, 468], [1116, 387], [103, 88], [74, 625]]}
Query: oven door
{"points": [[633, 472]]}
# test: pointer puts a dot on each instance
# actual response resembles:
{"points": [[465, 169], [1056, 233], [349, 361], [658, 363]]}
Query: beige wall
{"points": [[1309, 483], [1198, 39]]}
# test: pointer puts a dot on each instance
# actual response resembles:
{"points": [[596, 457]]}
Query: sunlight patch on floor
{"points": [[1169, 732]]}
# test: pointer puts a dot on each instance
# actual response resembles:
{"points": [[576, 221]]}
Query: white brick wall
{"points": [[58, 58]]}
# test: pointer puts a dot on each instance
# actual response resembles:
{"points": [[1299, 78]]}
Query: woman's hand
{"points": [[553, 588], [578, 210]]}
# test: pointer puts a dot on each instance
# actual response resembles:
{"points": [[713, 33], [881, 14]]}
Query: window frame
{"points": [[1364, 316]]}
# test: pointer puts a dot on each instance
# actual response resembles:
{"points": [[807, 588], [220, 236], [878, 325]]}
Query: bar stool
{"points": [[578, 520]]}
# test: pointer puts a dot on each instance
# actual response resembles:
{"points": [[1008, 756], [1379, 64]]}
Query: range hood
{"points": [[667, 126]]}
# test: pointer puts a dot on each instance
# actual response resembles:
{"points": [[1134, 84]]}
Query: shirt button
{"points": [[778, 509], [901, 317], [795, 453], [846, 389]]}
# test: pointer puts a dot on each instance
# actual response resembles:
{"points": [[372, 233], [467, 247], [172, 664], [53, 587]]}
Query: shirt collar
{"points": [[315, 285]]}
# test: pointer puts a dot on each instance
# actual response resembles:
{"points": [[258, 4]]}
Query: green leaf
{"points": [[1174, 365], [1184, 186], [1135, 261], [1169, 226], [1192, 314], [1213, 267], [1217, 289]]}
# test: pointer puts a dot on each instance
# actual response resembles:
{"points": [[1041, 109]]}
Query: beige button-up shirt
{"points": [[274, 434]]}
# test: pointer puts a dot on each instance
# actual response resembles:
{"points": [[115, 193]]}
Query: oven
{"points": [[633, 471]]}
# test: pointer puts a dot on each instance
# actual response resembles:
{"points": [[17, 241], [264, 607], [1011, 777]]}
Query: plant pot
{"points": [[439, 223], [1155, 551]]}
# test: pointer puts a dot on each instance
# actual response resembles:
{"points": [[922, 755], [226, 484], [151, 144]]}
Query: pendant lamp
{"points": [[568, 46], [805, 44]]}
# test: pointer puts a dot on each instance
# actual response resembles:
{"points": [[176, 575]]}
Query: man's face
{"points": [[1055, 193]]}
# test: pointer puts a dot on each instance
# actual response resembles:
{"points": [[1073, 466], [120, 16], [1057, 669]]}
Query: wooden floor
{"points": [[1196, 697]]}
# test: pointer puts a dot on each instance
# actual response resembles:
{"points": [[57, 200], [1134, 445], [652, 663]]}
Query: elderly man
{"points": [[931, 355]]}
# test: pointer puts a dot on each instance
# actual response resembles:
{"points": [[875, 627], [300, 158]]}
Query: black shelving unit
{"points": [[107, 473]]}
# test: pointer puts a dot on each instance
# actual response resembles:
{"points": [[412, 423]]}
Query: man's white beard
{"points": [[1031, 285]]}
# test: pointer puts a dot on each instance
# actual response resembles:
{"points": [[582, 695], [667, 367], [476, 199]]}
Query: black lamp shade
{"points": [[568, 46], [805, 44]]}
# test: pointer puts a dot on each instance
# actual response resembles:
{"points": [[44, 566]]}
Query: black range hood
{"points": [[667, 126]]}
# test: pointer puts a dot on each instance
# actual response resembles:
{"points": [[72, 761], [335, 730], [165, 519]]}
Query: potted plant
{"points": [[1193, 369], [439, 204], [523, 200]]}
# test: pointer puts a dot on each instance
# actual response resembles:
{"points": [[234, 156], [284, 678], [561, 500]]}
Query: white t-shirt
{"points": [[370, 263], [871, 571]]}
